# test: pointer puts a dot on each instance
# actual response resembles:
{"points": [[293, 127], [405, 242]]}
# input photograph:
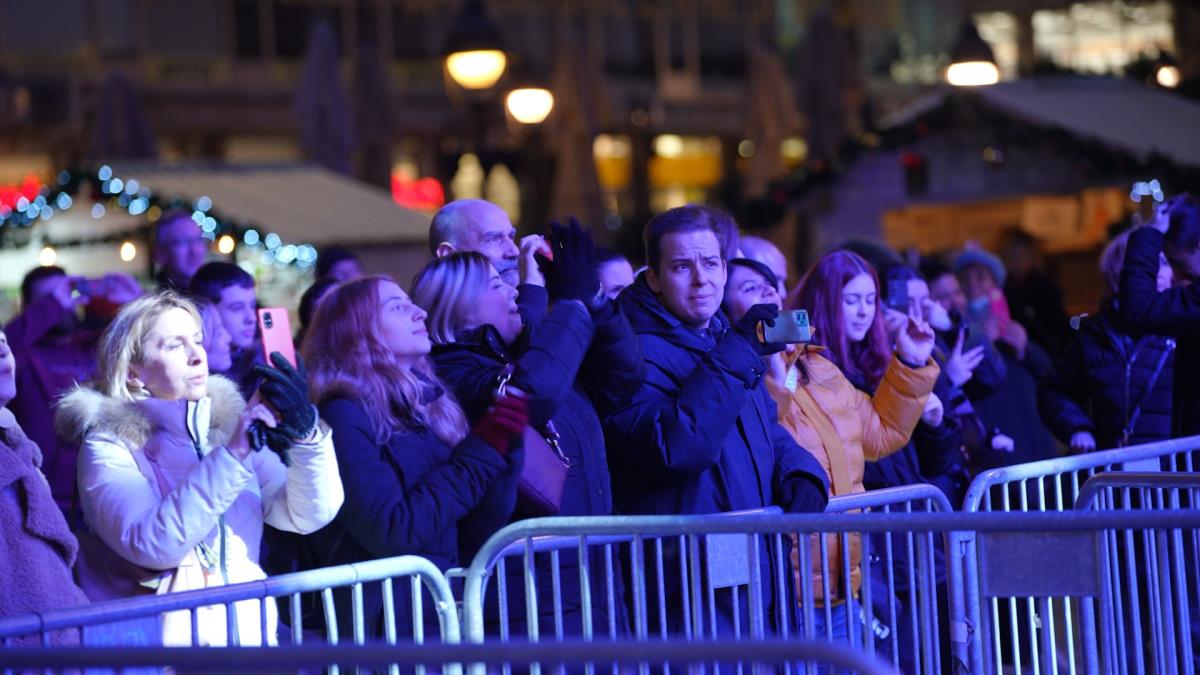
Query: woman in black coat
{"points": [[415, 479], [580, 356]]}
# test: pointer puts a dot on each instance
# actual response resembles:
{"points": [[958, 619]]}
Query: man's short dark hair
{"points": [[170, 217], [933, 269], [214, 277], [690, 218], [1183, 231], [34, 276], [607, 255]]}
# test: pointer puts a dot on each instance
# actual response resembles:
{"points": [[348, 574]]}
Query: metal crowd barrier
{"points": [[96, 621], [1053, 484], [1150, 600], [1042, 630], [766, 656], [904, 599], [691, 576]]}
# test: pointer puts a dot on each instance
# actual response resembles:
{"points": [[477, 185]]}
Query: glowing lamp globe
{"points": [[972, 63], [479, 69], [530, 105], [972, 74]]}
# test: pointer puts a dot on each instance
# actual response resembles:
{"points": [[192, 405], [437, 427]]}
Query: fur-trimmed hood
{"points": [[84, 410]]}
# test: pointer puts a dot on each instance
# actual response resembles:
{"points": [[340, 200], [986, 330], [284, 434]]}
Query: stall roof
{"points": [[302, 203], [1120, 113]]}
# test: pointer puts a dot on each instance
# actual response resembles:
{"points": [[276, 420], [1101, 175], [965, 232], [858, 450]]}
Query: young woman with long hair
{"points": [[168, 477], [580, 357], [843, 291], [415, 473], [842, 426]]}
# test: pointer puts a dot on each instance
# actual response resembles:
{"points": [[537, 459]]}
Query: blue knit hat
{"points": [[975, 256]]}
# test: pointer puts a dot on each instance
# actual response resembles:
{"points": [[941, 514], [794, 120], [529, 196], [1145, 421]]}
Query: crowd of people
{"points": [[151, 445]]}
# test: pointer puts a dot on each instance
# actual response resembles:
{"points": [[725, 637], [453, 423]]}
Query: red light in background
{"points": [[425, 194], [29, 188]]}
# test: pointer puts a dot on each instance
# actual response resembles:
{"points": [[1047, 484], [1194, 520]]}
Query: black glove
{"points": [[285, 389], [572, 275], [747, 327]]}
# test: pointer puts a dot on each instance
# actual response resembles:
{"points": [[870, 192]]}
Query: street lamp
{"points": [[529, 105], [474, 48], [1166, 73], [972, 63]]}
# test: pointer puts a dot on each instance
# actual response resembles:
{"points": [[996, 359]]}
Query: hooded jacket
{"points": [[160, 488], [861, 427]]}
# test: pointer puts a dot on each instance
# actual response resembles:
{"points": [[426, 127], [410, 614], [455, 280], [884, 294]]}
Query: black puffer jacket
{"points": [[571, 358], [1102, 377]]}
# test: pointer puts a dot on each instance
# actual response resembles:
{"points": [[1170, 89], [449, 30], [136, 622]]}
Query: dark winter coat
{"points": [[1102, 377], [702, 435], [570, 358], [1174, 312], [406, 497], [49, 364]]}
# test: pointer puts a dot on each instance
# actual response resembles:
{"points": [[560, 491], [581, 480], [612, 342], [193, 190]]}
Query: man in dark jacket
{"points": [[55, 350], [1174, 229], [701, 435]]}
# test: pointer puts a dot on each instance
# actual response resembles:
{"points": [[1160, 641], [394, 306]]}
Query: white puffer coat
{"points": [[155, 480]]}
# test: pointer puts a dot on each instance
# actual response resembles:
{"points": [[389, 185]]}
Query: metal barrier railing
{"points": [[707, 564], [1053, 484], [423, 576], [593, 601], [907, 622], [1148, 603], [1028, 630], [765, 656], [1044, 558]]}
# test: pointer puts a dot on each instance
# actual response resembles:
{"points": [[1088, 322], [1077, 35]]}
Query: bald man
{"points": [[757, 248], [481, 226]]}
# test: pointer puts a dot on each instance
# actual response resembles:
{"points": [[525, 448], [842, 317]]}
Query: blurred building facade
{"points": [[686, 100]]}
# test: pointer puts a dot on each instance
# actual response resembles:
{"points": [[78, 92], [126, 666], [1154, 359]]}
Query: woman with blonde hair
{"points": [[168, 477], [415, 474], [580, 356]]}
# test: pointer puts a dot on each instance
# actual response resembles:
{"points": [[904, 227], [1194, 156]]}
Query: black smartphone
{"points": [[897, 297]]}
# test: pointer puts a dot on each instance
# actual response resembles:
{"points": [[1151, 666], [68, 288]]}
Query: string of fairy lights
{"points": [[25, 206]]}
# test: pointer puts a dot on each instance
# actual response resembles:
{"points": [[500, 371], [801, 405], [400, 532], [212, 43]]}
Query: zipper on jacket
{"points": [[231, 610]]}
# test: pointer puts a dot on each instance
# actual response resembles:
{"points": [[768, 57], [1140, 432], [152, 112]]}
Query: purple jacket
{"points": [[35, 544], [48, 365]]}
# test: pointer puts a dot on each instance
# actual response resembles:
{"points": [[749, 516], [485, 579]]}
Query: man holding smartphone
{"points": [[701, 435]]}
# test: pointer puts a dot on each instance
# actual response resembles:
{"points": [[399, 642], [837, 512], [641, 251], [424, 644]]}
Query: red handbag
{"points": [[544, 474]]}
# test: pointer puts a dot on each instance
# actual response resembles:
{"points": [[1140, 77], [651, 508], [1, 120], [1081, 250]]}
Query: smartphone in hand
{"points": [[791, 326], [897, 297], [276, 331]]}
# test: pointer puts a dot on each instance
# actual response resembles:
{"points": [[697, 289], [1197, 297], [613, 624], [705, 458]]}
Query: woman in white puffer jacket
{"points": [[168, 479]]}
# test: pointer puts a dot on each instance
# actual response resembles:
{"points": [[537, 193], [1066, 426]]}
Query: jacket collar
{"points": [[214, 418], [648, 316], [484, 340]]}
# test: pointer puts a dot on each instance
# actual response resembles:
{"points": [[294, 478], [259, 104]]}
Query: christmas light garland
{"points": [[24, 206]]}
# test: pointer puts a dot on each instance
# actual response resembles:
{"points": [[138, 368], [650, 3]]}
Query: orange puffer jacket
{"points": [[863, 428]]}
